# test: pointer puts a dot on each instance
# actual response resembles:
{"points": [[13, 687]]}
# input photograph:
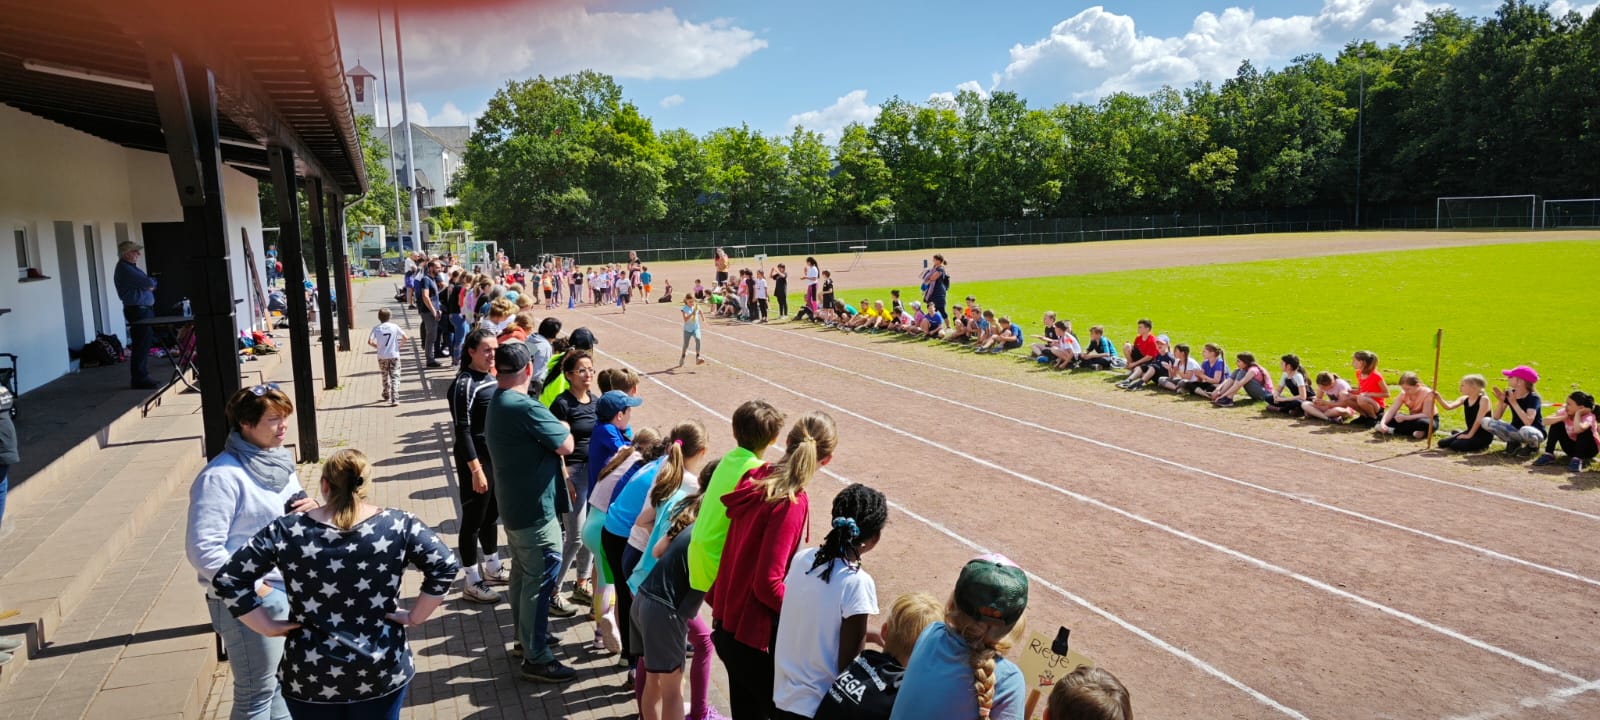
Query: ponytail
{"points": [[811, 440], [345, 473], [686, 440], [859, 513]]}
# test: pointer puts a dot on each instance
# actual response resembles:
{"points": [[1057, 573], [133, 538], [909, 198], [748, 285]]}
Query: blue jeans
{"points": [[535, 572], [383, 708], [254, 660], [5, 485], [459, 322]]}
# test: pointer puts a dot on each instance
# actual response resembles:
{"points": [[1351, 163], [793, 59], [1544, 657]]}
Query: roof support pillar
{"points": [[284, 186], [186, 97], [341, 267], [319, 249]]}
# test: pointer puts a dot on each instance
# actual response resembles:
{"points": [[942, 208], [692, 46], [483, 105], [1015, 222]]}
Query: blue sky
{"points": [[705, 64]]}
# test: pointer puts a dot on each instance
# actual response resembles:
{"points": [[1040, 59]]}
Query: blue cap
{"points": [[613, 402]]}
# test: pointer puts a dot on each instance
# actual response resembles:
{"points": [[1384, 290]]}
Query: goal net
{"points": [[1579, 213], [1487, 211]]}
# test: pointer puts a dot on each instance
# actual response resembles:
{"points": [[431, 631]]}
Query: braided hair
{"points": [[859, 513]]}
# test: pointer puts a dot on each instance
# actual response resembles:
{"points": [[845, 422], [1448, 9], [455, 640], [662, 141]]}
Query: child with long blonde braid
{"points": [[767, 513], [957, 671]]}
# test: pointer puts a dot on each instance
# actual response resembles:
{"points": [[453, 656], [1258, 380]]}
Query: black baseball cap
{"points": [[511, 358], [992, 587], [583, 339]]}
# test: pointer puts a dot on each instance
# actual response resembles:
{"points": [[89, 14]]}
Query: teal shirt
{"points": [[523, 436]]}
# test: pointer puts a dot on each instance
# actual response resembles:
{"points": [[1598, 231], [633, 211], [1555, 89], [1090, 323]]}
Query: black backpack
{"points": [[102, 350]]}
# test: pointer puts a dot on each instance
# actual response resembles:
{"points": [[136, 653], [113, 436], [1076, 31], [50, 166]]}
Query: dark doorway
{"points": [[166, 261]]}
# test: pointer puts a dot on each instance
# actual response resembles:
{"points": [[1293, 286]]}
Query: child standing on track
{"points": [[766, 517], [692, 317], [827, 601], [780, 289], [761, 295], [386, 337], [958, 670]]}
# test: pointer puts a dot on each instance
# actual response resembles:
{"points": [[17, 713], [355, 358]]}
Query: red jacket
{"points": [[762, 537]]}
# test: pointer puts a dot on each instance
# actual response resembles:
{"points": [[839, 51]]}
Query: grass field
{"points": [[1499, 306]]}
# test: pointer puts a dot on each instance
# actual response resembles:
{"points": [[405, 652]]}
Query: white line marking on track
{"points": [[1549, 701], [1219, 431], [1189, 468], [1218, 547], [1146, 635]]}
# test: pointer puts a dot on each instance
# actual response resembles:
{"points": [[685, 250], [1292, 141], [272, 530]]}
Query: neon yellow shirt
{"points": [[711, 525]]}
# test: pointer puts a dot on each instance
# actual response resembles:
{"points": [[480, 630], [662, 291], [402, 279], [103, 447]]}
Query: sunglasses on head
{"points": [[262, 389]]}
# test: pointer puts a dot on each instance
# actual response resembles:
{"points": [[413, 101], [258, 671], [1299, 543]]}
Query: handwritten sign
{"points": [[1041, 668]]}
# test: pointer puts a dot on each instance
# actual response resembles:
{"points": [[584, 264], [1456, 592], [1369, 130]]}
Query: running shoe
{"points": [[503, 577], [581, 595], [1544, 460], [479, 592], [560, 609], [1577, 464], [551, 672]]}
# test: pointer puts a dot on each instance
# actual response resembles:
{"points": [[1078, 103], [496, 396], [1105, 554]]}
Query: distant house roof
{"points": [[87, 65]]}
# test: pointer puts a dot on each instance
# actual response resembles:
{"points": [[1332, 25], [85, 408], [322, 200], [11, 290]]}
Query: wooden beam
{"points": [[319, 249], [285, 188]]}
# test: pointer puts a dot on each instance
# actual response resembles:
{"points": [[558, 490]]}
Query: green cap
{"points": [[992, 588]]}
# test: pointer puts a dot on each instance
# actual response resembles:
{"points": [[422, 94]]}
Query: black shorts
{"points": [[722, 276], [658, 633], [1100, 362], [549, 294]]}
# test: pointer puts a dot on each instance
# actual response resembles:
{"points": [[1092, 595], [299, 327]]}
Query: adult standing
{"points": [[428, 307], [937, 281], [247, 486], [721, 262], [138, 294], [455, 310], [346, 655], [8, 449], [527, 445], [470, 396], [575, 407]]}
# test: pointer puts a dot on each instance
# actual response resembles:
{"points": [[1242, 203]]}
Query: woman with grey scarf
{"points": [[248, 485]]}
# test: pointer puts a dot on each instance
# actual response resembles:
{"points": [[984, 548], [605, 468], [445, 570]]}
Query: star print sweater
{"points": [[341, 585]]}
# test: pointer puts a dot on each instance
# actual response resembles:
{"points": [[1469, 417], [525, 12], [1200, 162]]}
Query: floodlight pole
{"points": [[405, 118], [1361, 120]]}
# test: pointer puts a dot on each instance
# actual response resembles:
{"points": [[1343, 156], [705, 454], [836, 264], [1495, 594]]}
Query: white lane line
{"points": [[1189, 468], [1549, 701], [1218, 547], [1146, 635], [1198, 426]]}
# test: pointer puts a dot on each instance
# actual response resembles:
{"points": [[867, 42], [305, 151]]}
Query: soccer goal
{"points": [[1487, 211], [1577, 213]]}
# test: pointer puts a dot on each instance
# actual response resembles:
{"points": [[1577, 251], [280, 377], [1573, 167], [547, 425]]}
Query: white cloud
{"points": [[449, 114], [1098, 52], [831, 120], [1559, 8], [486, 47], [950, 96], [671, 101]]}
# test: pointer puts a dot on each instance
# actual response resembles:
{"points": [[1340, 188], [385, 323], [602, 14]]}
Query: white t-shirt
{"points": [[806, 656], [811, 275], [387, 336], [624, 286]]}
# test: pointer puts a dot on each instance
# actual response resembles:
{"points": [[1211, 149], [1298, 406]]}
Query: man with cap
{"points": [[138, 294], [526, 444], [987, 605]]}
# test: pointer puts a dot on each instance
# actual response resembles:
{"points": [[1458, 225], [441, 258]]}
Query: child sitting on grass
{"points": [[1573, 429], [1526, 430], [964, 324], [1005, 336], [1065, 350], [1153, 367], [1331, 390], [866, 690], [1089, 693], [1419, 420], [1042, 349], [932, 324], [1213, 372], [1371, 396], [1293, 390], [1474, 402], [1141, 352], [839, 315], [1182, 370], [1099, 353], [1248, 376]]}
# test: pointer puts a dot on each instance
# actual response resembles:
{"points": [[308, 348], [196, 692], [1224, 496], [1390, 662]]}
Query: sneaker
{"points": [[1512, 448], [1224, 402], [552, 672], [503, 577], [516, 650], [1544, 460], [1135, 385], [581, 595], [479, 592], [560, 609], [1577, 464]]}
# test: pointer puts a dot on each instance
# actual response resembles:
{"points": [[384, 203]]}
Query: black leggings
{"points": [[761, 305], [1582, 446], [1460, 443], [1407, 427], [614, 546], [783, 304], [479, 511], [750, 676]]}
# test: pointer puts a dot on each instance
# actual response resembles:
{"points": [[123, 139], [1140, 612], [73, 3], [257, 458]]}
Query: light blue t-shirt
{"points": [[938, 682], [629, 502], [663, 521]]}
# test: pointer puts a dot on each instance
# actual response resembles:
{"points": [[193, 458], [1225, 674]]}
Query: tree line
{"points": [[1461, 106]]}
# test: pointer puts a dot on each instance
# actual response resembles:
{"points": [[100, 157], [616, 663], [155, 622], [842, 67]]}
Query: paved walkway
{"points": [[463, 666]]}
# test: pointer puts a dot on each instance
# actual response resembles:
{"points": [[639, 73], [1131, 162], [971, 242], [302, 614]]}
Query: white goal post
{"points": [[1486, 211], [1573, 213]]}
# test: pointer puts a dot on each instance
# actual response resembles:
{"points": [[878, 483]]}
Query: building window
{"points": [[27, 255]]}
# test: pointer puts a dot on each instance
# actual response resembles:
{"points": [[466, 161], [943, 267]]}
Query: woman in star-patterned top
{"points": [[343, 562]]}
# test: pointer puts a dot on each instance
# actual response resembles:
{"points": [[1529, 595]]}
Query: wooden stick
{"points": [[1438, 346]]}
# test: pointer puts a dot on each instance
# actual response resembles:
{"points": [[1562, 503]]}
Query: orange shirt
{"points": [[1372, 384]]}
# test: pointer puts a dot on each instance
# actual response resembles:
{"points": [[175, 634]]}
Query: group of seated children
{"points": [[745, 297]]}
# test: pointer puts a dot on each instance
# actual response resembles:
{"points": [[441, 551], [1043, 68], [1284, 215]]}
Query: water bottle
{"points": [[187, 312]]}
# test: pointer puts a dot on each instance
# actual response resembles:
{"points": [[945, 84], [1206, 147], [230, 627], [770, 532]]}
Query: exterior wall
{"points": [[77, 178]]}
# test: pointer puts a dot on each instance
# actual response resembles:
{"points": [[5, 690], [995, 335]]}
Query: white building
{"points": [[438, 149]]}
